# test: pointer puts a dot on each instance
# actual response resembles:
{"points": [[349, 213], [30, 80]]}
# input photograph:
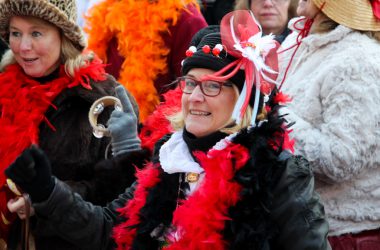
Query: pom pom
{"points": [[206, 49]]}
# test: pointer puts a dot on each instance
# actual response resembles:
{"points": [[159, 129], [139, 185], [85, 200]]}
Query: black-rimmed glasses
{"points": [[209, 88]]}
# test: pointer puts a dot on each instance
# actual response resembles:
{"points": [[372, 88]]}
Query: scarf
{"points": [[138, 28], [23, 103]]}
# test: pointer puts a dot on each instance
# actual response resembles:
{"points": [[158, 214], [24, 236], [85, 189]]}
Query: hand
{"points": [[18, 206], [31, 171], [123, 126]]}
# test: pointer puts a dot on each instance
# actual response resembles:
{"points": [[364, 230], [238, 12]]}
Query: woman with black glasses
{"points": [[222, 180]]}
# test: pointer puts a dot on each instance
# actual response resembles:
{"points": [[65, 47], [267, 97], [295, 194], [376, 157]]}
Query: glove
{"points": [[31, 171], [123, 126]]}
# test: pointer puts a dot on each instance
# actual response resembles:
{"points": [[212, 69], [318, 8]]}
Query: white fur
{"points": [[335, 84]]}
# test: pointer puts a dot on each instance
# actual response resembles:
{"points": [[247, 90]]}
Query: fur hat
{"points": [[355, 14], [62, 13], [210, 36]]}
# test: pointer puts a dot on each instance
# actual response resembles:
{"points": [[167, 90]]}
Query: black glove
{"points": [[31, 171], [123, 126]]}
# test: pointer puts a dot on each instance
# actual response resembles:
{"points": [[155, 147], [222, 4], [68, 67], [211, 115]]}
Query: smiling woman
{"points": [[219, 181], [273, 15], [47, 86]]}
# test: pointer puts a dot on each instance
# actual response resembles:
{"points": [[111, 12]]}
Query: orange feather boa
{"points": [[138, 26]]}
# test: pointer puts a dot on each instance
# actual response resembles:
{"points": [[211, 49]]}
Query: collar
{"points": [[175, 156]]}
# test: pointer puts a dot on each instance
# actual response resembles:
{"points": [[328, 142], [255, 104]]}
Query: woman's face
{"points": [[271, 14], [36, 45], [307, 8], [202, 114]]}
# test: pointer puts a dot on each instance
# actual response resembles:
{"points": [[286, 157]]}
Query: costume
{"points": [[248, 184], [52, 112], [333, 81], [147, 58]]}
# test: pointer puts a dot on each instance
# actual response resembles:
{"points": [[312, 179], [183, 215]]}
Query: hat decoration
{"points": [[206, 49], [376, 8], [242, 37]]}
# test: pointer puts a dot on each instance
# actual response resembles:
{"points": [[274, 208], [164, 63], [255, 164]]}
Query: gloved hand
{"points": [[123, 126], [31, 171]]}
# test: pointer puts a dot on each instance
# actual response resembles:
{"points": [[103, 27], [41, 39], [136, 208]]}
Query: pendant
{"points": [[192, 177]]}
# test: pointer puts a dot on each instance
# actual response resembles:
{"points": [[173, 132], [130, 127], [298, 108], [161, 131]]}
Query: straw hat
{"points": [[355, 14], [62, 13]]}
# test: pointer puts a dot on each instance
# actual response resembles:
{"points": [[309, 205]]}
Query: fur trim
{"points": [[23, 105], [143, 48], [63, 14], [7, 59]]}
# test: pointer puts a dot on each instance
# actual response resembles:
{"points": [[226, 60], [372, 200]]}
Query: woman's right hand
{"points": [[18, 205], [31, 171]]}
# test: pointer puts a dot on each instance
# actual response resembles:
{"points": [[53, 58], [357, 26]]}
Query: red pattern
{"points": [[23, 103]]}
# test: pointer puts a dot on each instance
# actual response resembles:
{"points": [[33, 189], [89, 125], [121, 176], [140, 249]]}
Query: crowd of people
{"points": [[255, 126]]}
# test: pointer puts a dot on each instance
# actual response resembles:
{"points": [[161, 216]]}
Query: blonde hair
{"points": [[178, 123], [71, 57]]}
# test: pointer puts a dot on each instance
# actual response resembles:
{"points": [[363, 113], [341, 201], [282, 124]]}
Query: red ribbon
{"points": [[376, 8]]}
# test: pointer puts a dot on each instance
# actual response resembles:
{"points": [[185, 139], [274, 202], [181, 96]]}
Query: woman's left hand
{"points": [[123, 126], [18, 205]]}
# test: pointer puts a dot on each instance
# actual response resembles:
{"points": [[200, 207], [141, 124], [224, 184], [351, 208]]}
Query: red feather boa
{"points": [[23, 103], [157, 125], [218, 192], [147, 178]]}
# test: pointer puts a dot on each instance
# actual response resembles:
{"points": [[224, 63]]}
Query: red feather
{"points": [[201, 218], [157, 125], [23, 104]]}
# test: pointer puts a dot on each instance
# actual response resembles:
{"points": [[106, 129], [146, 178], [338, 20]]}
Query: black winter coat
{"points": [[279, 210], [76, 156]]}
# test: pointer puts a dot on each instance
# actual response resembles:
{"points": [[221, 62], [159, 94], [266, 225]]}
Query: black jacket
{"points": [[278, 207], [77, 157]]}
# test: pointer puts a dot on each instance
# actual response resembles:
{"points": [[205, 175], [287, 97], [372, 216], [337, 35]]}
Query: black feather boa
{"points": [[250, 226]]}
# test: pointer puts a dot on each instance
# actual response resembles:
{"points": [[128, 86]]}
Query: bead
{"points": [[215, 51], [206, 49], [189, 53]]}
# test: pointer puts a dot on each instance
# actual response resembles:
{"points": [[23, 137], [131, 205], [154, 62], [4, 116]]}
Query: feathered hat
{"points": [[239, 53]]}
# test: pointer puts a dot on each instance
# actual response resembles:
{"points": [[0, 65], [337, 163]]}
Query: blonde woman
{"points": [[47, 86], [217, 182]]}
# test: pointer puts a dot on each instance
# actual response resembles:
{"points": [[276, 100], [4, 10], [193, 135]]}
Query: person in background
{"points": [[222, 180], [143, 42], [47, 85], [334, 82], [273, 15]]}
